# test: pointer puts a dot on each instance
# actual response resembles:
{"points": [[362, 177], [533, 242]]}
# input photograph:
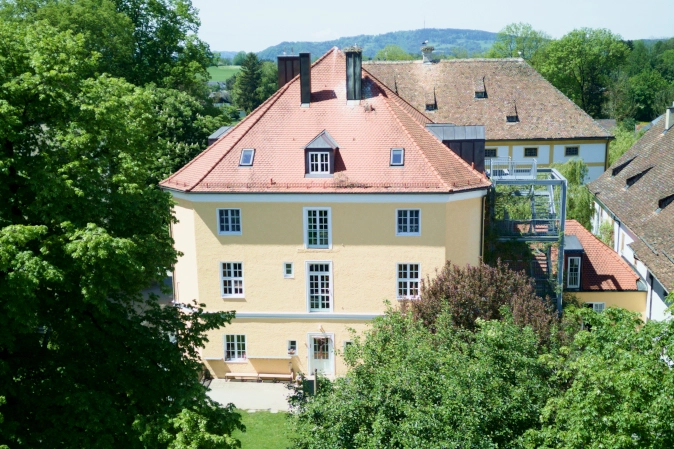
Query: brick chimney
{"points": [[427, 53], [305, 79], [288, 68], [354, 63]]}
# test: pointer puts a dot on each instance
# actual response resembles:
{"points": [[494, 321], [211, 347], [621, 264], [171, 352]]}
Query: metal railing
{"points": [[531, 227], [506, 168]]}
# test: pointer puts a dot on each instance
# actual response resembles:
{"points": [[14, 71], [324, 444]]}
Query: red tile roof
{"points": [[601, 269], [279, 129]]}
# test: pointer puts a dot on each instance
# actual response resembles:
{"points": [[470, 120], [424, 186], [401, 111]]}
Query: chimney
{"points": [[427, 53], [354, 63], [669, 117], [305, 79], [288, 68]]}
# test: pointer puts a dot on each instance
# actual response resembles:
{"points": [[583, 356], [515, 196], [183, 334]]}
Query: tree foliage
{"points": [[519, 40], [408, 387], [85, 359], [393, 52], [247, 94], [580, 65], [579, 200]]}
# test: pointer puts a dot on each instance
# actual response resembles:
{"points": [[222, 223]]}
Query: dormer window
{"points": [[664, 202], [620, 167], [480, 94], [320, 156], [247, 156], [319, 163], [629, 182], [480, 89], [397, 156], [512, 119]]}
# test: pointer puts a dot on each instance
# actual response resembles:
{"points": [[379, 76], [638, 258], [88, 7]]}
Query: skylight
{"points": [[247, 156], [397, 156]]}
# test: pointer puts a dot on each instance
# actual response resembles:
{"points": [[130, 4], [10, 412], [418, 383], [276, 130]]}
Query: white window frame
{"points": [[596, 306], [399, 279], [237, 352], [320, 162], [402, 157], [217, 221], [305, 220], [292, 270], [308, 287], [252, 157], [233, 278], [568, 273], [409, 234], [346, 343], [289, 348]]}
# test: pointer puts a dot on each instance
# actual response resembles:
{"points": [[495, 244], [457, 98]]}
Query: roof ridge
{"points": [[414, 142]]}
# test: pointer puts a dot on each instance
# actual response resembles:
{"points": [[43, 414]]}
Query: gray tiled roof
{"points": [[510, 84], [652, 157]]}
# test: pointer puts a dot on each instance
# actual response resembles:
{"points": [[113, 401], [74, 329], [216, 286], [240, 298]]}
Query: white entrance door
{"points": [[321, 354]]}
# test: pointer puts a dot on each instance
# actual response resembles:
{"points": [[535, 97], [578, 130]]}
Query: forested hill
{"points": [[447, 40]]}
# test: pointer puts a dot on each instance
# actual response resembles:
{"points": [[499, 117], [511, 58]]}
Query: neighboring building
{"points": [[324, 202], [597, 275], [525, 117], [636, 195]]}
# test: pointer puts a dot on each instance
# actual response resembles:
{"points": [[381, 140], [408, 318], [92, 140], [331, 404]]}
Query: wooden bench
{"points": [[271, 376], [242, 376]]}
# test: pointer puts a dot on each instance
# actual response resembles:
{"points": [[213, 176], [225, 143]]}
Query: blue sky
{"points": [[254, 25]]}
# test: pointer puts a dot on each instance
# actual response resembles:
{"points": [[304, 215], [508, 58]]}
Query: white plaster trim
{"points": [[307, 316], [328, 197]]}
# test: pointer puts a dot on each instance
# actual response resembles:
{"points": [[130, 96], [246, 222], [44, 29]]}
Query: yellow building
{"points": [[525, 117], [326, 201]]}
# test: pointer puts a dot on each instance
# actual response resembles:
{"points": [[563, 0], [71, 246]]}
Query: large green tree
{"points": [[620, 387], [579, 200], [85, 359], [247, 94], [393, 52], [519, 40], [580, 64]]}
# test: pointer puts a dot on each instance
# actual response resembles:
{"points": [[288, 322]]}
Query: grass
{"points": [[264, 430], [223, 72]]}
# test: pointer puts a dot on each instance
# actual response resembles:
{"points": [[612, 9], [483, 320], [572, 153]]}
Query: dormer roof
{"points": [[322, 141], [365, 130]]}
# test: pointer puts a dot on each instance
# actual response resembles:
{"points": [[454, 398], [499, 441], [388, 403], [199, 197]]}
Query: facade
{"points": [[329, 199], [635, 196], [598, 276], [525, 117]]}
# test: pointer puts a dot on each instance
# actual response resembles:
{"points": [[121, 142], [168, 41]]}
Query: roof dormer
{"points": [[319, 156]]}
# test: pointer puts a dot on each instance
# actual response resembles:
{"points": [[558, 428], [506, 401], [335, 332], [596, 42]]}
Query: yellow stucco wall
{"points": [[633, 301], [365, 253]]}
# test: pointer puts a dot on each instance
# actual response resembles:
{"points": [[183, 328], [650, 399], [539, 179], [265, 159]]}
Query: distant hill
{"points": [[445, 40], [226, 54]]}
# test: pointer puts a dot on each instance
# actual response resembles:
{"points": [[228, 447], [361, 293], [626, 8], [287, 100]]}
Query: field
{"points": [[221, 73], [264, 430]]}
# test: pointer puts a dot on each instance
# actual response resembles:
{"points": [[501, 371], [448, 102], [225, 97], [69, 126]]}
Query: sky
{"points": [[254, 25]]}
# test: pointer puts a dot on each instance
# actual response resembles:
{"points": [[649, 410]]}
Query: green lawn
{"points": [[221, 73], [264, 430]]}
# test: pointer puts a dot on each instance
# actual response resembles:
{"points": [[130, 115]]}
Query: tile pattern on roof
{"points": [[543, 111], [602, 269], [279, 129], [637, 206]]}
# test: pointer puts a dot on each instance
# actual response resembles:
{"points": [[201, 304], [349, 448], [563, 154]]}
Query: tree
{"points": [[247, 86], [393, 52], [579, 201], [268, 80], [239, 58], [85, 359], [579, 64], [519, 40], [624, 139], [469, 293], [620, 384], [408, 387], [650, 94]]}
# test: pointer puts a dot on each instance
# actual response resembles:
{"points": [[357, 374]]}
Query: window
{"points": [[430, 107], [317, 232], [664, 202], [247, 155], [292, 347], [235, 348], [408, 281], [288, 271], [232, 279], [490, 152], [229, 221], [573, 273], [480, 94], [347, 344], [319, 163], [620, 167], [596, 306], [629, 182], [319, 286], [408, 222], [397, 156], [571, 151], [531, 152], [512, 119]]}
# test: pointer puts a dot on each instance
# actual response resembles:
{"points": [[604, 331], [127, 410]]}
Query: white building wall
{"points": [[589, 152], [543, 157]]}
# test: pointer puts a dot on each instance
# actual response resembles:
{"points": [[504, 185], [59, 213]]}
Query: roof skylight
{"points": [[247, 156], [397, 156]]}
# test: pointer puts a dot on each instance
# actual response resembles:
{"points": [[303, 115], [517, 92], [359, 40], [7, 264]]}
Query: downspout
{"points": [[650, 297], [484, 203]]}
